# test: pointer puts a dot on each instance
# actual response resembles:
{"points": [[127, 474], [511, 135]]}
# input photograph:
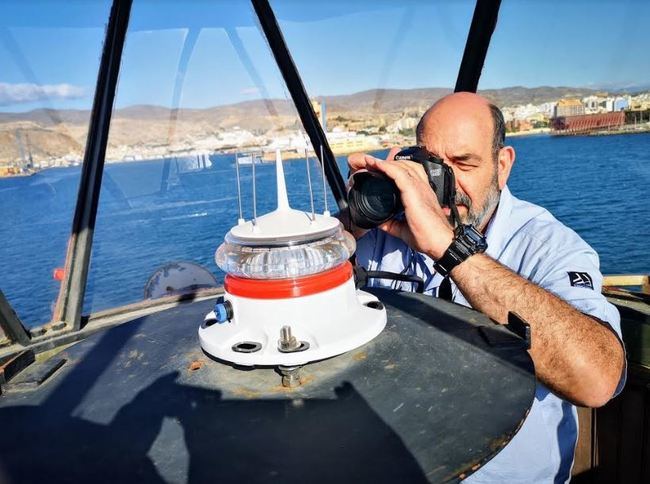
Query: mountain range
{"points": [[55, 133], [384, 101]]}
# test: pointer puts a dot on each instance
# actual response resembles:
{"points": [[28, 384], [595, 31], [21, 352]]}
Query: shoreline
{"points": [[287, 156], [530, 132], [631, 129]]}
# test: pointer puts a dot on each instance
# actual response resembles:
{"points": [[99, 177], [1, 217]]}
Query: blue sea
{"points": [[157, 211]]}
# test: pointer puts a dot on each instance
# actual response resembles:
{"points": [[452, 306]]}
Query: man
{"points": [[533, 265]]}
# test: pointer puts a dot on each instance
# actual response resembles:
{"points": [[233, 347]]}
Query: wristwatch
{"points": [[467, 242]]}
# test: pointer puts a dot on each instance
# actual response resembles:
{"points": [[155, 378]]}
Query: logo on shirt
{"points": [[580, 279]]}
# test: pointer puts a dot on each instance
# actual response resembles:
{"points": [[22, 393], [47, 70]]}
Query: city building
{"points": [[593, 104], [640, 102], [402, 124], [568, 107], [621, 103], [236, 137], [588, 123]]}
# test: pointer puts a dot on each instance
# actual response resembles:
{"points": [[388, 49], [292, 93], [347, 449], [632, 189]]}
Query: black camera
{"points": [[373, 197]]}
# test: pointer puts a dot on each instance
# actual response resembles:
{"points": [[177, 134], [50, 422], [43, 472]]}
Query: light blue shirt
{"points": [[531, 242]]}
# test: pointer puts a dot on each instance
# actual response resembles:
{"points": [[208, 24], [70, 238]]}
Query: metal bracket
{"points": [[517, 325], [11, 366], [35, 375], [11, 324]]}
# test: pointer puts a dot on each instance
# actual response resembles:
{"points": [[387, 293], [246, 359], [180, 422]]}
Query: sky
{"points": [[50, 50]]}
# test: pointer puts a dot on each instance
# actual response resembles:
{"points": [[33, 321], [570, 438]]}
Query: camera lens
{"points": [[373, 199]]}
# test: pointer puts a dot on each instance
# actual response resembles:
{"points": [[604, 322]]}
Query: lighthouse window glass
{"points": [[49, 58], [198, 87], [573, 81], [375, 67]]}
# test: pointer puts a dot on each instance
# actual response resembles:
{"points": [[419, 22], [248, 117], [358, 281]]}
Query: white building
{"points": [[528, 111], [593, 104], [401, 124], [236, 137]]}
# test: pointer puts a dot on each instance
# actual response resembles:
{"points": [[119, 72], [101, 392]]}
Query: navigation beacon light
{"points": [[290, 296]]}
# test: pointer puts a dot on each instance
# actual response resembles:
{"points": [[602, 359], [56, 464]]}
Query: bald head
{"points": [[467, 133], [465, 108]]}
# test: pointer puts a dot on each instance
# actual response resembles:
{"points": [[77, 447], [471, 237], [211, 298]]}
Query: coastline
{"points": [[629, 129], [289, 155], [530, 132]]}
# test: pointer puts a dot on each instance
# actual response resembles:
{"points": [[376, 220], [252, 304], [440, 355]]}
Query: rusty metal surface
{"points": [[427, 400], [45, 338], [33, 376], [11, 366]]}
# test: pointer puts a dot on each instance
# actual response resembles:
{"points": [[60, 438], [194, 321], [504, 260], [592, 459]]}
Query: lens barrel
{"points": [[373, 199]]}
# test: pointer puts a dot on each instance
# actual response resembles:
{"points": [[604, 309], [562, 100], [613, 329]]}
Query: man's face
{"points": [[463, 139]]}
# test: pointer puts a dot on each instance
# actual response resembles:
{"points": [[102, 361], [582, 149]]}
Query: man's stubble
{"points": [[478, 216]]}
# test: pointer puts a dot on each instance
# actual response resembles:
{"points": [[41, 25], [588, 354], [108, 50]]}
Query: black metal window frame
{"points": [[484, 21], [68, 313]]}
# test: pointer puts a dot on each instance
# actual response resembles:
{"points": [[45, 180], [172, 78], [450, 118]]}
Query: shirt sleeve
{"points": [[365, 251], [570, 270]]}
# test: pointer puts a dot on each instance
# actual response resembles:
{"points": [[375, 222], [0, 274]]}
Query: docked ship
{"points": [[248, 158]]}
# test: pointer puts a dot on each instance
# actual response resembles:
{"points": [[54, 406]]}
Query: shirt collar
{"points": [[496, 229]]}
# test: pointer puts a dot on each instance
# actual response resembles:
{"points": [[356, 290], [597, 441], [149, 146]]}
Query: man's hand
{"points": [[359, 161], [426, 228]]}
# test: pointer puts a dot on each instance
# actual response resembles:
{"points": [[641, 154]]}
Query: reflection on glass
{"points": [[375, 67], [198, 88], [575, 96], [49, 53]]}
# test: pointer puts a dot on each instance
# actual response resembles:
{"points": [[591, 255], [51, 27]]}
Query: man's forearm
{"points": [[574, 355]]}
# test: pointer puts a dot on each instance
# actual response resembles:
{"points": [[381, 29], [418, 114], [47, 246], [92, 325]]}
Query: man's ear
{"points": [[504, 165]]}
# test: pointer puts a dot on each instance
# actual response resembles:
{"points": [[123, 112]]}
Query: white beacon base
{"points": [[330, 323], [290, 296]]}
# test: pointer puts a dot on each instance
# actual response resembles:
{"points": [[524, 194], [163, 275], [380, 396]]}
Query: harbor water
{"points": [[158, 211]]}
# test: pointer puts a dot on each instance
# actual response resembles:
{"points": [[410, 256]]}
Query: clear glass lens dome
{"points": [[282, 262]]}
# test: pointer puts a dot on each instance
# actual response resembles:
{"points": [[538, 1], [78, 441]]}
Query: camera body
{"points": [[373, 197]]}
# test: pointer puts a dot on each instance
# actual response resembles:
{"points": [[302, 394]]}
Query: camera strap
{"points": [[444, 289], [454, 214]]}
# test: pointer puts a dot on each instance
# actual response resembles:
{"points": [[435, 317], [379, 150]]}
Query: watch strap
{"points": [[450, 259], [467, 242]]}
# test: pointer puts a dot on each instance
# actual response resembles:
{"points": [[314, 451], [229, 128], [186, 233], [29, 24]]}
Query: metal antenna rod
{"points": [[241, 213], [254, 194], [311, 192], [322, 164]]}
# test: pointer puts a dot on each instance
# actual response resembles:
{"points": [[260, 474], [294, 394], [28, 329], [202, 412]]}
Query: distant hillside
{"points": [[365, 102], [513, 96], [51, 133], [385, 100], [395, 100]]}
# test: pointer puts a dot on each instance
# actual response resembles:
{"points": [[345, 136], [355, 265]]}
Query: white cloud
{"points": [[27, 93], [249, 91]]}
